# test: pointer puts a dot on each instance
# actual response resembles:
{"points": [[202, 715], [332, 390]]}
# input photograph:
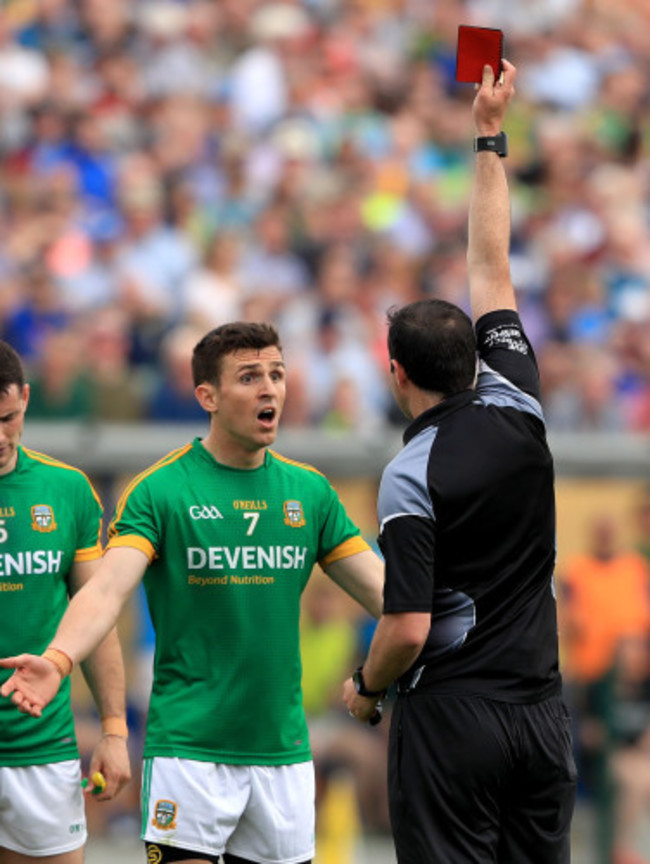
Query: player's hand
{"points": [[111, 758], [33, 685], [492, 98], [363, 708]]}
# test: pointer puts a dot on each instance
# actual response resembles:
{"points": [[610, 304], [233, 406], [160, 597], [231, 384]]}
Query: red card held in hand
{"points": [[477, 47]]}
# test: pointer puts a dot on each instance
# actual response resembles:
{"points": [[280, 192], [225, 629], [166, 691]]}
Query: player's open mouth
{"points": [[267, 416]]}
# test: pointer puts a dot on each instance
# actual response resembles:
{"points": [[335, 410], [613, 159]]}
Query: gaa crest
{"points": [[43, 518], [164, 816], [293, 514]]}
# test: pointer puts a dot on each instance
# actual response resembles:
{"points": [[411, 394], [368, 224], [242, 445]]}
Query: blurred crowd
{"points": [[168, 165], [604, 618]]}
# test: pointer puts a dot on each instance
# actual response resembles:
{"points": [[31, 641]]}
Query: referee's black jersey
{"points": [[467, 528]]}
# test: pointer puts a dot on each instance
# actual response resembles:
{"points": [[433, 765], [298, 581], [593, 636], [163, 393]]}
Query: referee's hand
{"points": [[365, 709]]}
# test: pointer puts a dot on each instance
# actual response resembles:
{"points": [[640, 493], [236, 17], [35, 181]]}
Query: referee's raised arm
{"points": [[489, 211]]}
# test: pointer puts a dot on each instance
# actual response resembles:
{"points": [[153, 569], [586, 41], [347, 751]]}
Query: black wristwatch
{"points": [[360, 686], [496, 143]]}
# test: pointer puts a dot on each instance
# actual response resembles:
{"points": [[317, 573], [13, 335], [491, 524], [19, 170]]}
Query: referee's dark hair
{"points": [[435, 343], [226, 339], [11, 368]]}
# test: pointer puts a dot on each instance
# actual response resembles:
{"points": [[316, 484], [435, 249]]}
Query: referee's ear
{"points": [[398, 372]]}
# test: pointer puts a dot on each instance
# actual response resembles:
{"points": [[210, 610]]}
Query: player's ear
{"points": [[207, 397]]}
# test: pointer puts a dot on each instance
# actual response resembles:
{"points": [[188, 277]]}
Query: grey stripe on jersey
{"points": [[452, 617], [403, 490], [493, 389]]}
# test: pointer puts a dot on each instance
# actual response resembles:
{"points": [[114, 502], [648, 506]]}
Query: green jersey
{"points": [[230, 553], [50, 517]]}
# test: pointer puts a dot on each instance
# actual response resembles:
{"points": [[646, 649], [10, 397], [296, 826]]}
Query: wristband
{"points": [[60, 659], [115, 726], [496, 143]]}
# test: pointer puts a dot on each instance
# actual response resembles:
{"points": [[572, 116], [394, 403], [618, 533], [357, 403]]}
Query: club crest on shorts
{"points": [[293, 514], [164, 816], [43, 518]]}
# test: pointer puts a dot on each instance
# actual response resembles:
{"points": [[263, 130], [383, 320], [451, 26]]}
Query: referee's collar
{"points": [[438, 413]]}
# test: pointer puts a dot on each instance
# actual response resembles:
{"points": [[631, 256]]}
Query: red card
{"points": [[477, 47]]}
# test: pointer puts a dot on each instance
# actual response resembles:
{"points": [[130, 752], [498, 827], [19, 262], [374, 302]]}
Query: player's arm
{"points": [[103, 670], [362, 577], [488, 244], [95, 608], [91, 614]]}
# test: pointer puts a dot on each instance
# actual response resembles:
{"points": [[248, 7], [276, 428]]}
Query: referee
{"points": [[480, 754]]}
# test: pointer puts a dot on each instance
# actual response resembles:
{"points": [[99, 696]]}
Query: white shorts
{"points": [[42, 808], [261, 812]]}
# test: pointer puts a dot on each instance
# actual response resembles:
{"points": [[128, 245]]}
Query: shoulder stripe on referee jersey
{"points": [[403, 487], [517, 397], [392, 516]]}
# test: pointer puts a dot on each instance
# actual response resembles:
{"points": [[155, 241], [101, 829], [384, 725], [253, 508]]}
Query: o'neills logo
{"points": [[43, 518], [164, 816]]}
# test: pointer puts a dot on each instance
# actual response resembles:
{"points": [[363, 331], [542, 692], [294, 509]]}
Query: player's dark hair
{"points": [[226, 339], [435, 343], [11, 368]]}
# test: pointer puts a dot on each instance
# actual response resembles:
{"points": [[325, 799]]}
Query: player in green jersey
{"points": [[225, 533], [50, 520]]}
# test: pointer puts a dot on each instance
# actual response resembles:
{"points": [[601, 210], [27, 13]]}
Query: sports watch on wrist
{"points": [[360, 686], [496, 143]]}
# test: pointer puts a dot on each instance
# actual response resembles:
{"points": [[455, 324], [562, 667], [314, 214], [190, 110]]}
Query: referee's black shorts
{"points": [[475, 781]]}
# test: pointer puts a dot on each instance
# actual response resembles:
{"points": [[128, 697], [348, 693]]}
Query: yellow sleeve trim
{"points": [[288, 461], [166, 460], [44, 459], [89, 554], [350, 547], [133, 541], [55, 463]]}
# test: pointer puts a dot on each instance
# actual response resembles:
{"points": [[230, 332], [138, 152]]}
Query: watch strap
{"points": [[361, 688], [496, 143]]}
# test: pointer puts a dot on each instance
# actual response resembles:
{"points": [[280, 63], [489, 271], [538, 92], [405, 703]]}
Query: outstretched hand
{"points": [[492, 98], [33, 685]]}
